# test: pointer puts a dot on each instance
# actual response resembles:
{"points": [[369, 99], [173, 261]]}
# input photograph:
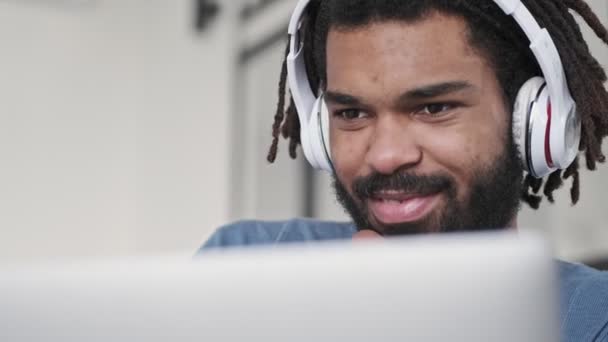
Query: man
{"points": [[423, 99]]}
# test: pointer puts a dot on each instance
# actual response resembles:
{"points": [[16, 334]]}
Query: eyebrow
{"points": [[418, 94], [341, 99], [435, 90]]}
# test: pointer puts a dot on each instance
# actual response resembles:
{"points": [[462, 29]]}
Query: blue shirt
{"points": [[583, 290]]}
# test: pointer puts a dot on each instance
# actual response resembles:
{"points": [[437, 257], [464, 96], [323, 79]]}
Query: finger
{"points": [[366, 234]]}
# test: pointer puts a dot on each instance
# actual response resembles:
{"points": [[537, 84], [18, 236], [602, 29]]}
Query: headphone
{"points": [[546, 127]]}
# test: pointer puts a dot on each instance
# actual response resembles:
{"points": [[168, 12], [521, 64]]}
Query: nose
{"points": [[393, 146]]}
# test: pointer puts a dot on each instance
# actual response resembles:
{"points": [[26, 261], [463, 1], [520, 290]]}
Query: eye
{"points": [[349, 114], [436, 108]]}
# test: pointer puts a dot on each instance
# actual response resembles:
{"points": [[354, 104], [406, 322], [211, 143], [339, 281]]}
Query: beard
{"points": [[492, 202]]}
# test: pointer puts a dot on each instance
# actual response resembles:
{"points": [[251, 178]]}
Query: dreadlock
{"points": [[500, 40]]}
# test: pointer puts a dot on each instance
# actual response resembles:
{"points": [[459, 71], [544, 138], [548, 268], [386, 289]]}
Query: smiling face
{"points": [[420, 134]]}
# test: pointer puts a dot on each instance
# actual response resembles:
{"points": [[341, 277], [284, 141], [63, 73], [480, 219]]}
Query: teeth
{"points": [[393, 200]]}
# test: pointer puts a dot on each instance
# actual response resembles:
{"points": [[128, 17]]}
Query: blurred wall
{"points": [[113, 128]]}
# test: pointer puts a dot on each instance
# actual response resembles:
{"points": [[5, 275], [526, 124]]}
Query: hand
{"points": [[366, 234]]}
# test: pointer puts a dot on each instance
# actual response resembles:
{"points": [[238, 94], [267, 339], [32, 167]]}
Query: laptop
{"points": [[488, 287]]}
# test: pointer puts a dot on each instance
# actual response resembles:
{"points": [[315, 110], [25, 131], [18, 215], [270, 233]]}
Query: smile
{"points": [[395, 208]]}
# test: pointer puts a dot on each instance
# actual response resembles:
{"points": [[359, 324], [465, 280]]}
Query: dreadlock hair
{"points": [[499, 39]]}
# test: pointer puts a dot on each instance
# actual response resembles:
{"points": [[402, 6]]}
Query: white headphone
{"points": [[546, 127]]}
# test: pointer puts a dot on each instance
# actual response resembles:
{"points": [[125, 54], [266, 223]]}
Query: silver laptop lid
{"points": [[444, 288]]}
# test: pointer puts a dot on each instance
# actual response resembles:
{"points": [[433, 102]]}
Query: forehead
{"points": [[408, 54]]}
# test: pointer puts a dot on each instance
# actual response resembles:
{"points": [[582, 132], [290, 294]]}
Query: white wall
{"points": [[113, 127], [184, 132]]}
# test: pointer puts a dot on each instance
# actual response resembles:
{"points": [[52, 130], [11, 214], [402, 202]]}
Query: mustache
{"points": [[369, 186]]}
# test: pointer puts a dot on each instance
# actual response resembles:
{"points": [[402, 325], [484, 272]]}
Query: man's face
{"points": [[420, 134]]}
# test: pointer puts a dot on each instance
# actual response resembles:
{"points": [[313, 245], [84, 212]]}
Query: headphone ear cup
{"points": [[324, 122], [318, 137], [522, 115]]}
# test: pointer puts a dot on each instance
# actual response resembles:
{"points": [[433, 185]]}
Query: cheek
{"points": [[465, 150], [473, 144], [348, 154]]}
